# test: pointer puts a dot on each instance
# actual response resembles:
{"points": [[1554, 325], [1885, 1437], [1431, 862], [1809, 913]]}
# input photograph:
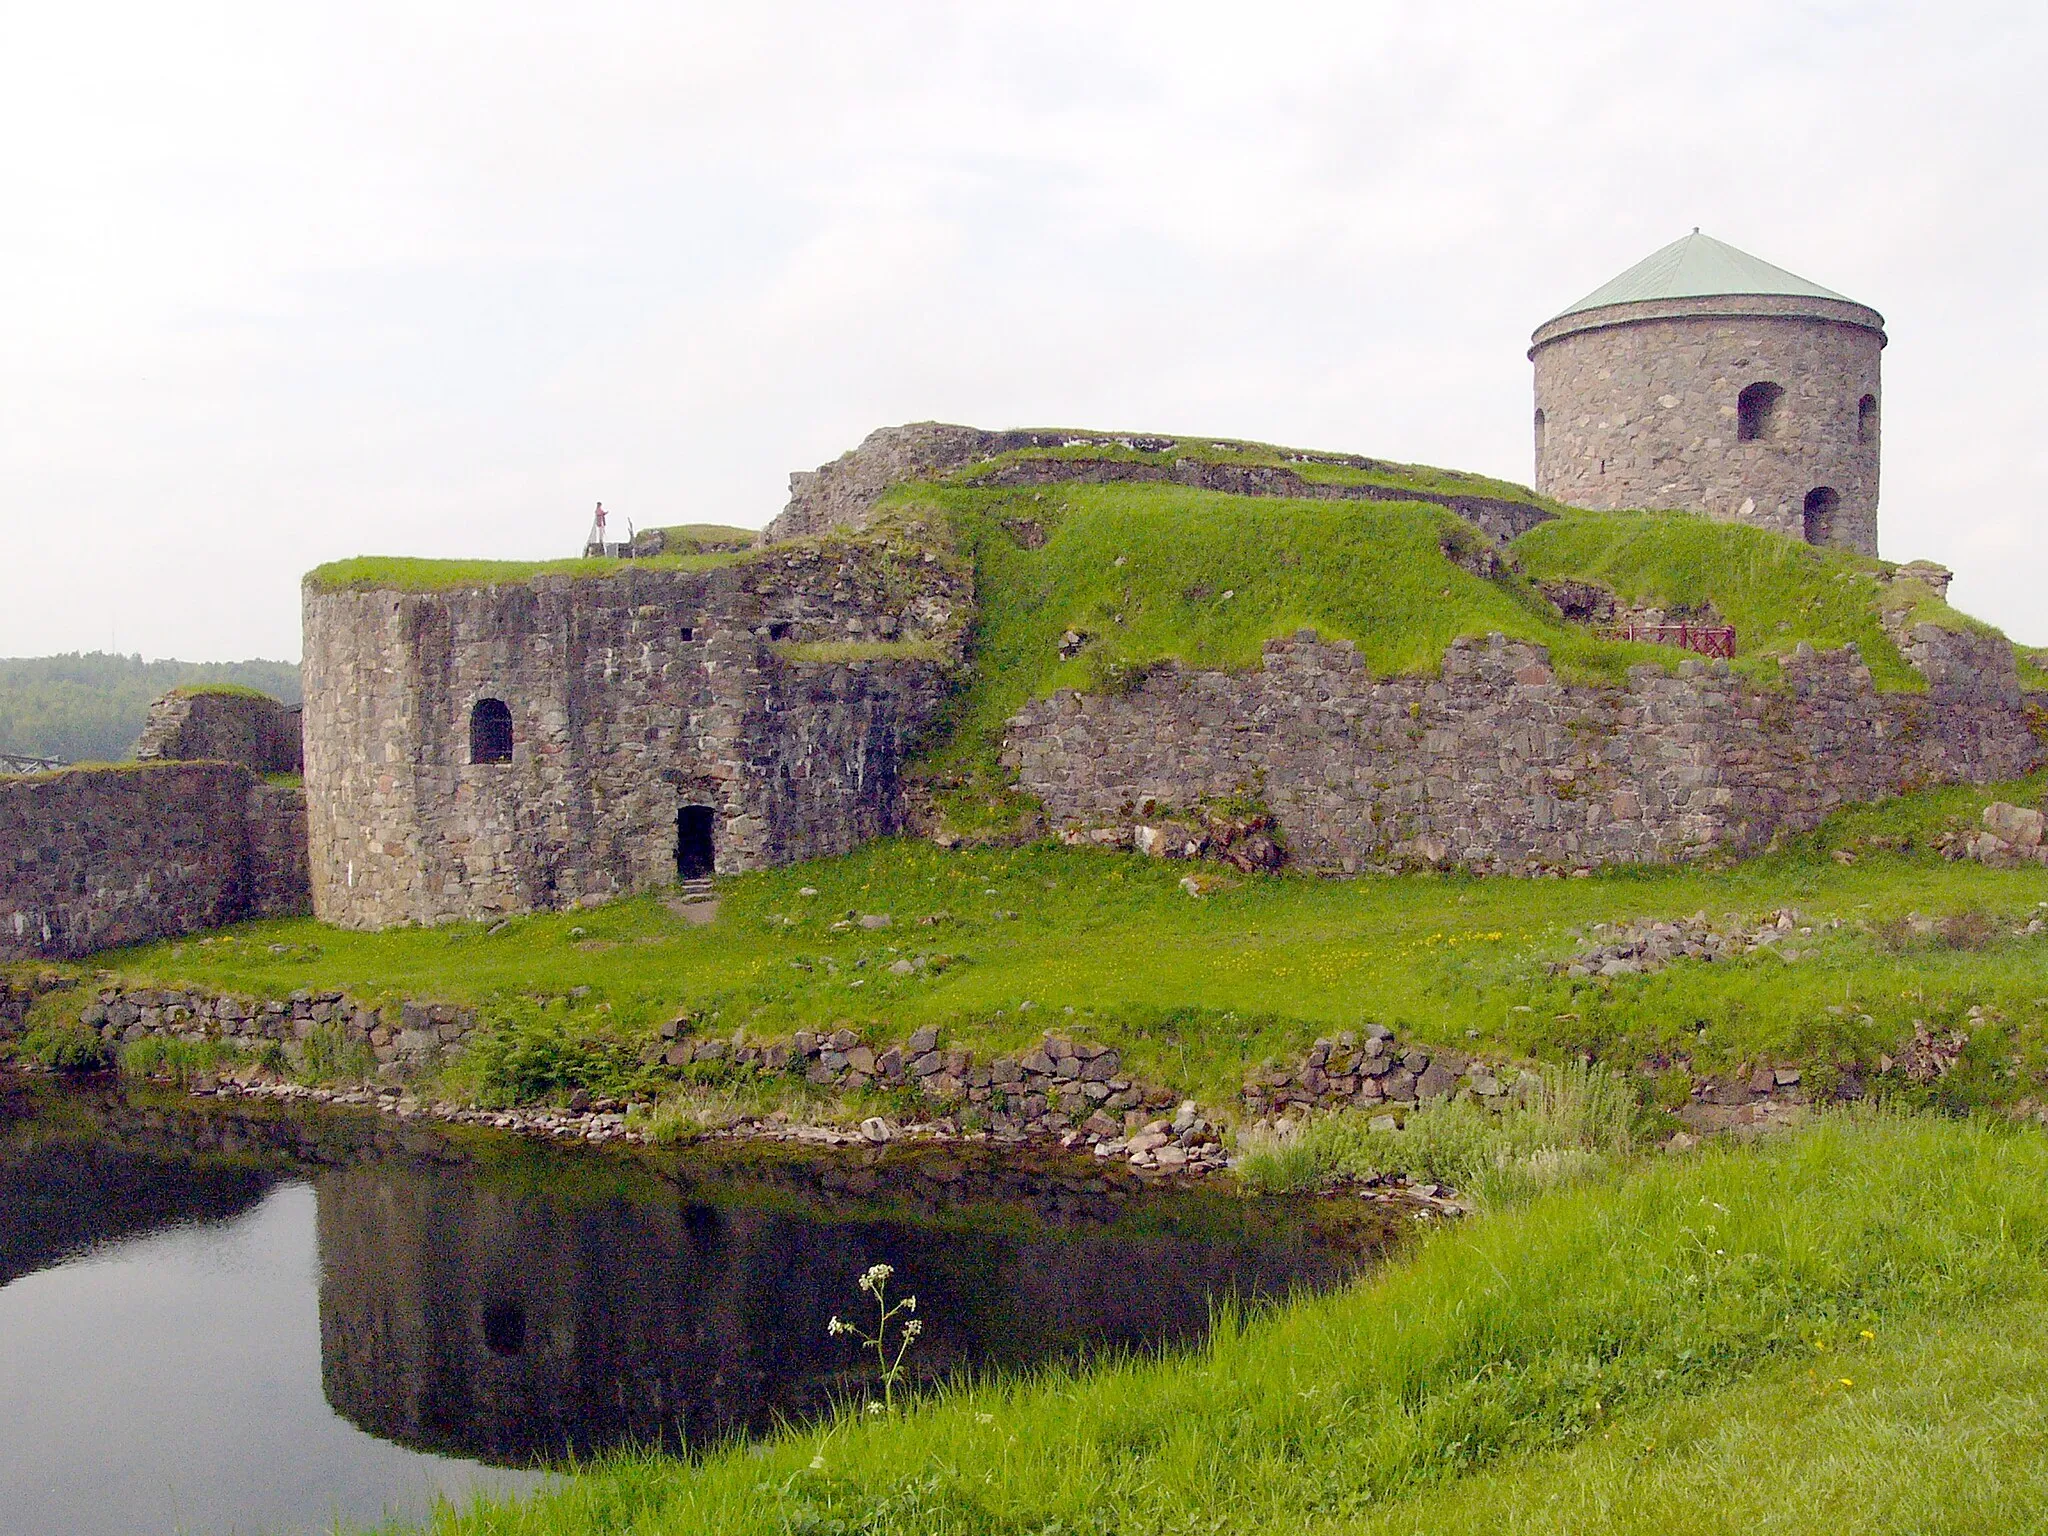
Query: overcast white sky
{"points": [[290, 282]]}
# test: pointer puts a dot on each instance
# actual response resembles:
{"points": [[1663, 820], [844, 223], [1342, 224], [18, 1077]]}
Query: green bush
{"points": [[63, 1048], [534, 1056]]}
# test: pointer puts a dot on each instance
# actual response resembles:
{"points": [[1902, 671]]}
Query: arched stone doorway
{"points": [[1821, 503]]}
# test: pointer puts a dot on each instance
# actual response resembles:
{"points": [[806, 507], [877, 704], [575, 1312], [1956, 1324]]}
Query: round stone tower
{"points": [[1707, 380]]}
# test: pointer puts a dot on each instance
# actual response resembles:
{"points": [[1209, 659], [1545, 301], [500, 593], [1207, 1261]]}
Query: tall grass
{"points": [[1562, 1124], [1540, 1328]]}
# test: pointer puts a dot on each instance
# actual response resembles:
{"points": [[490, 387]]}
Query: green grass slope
{"points": [[1148, 572], [1198, 991], [1641, 1338], [1154, 572]]}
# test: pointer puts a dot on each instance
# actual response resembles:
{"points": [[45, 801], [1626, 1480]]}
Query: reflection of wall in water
{"points": [[77, 1172], [503, 1322]]}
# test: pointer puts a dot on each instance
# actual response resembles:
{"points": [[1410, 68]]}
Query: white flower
{"points": [[818, 1462], [910, 1303], [874, 1407], [835, 1328], [912, 1329]]}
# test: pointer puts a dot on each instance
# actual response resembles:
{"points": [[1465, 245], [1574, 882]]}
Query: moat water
{"points": [[220, 1316]]}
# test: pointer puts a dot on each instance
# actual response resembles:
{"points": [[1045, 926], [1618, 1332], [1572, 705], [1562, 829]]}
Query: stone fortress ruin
{"points": [[1705, 380], [484, 742]]}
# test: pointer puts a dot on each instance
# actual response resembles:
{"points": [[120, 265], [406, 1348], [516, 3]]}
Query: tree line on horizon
{"points": [[89, 706]]}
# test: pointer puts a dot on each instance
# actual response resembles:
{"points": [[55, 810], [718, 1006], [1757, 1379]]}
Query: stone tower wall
{"points": [[1637, 408], [619, 720]]}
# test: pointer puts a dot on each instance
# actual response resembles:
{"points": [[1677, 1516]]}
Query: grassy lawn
{"points": [[1197, 991], [1840, 1329]]}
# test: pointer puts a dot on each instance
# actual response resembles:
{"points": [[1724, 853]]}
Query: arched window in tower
{"points": [[1866, 419], [1756, 412], [490, 732], [1539, 434], [1821, 502]]}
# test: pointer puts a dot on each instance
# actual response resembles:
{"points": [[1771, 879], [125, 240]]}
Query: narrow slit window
{"points": [[1866, 419], [490, 732]]}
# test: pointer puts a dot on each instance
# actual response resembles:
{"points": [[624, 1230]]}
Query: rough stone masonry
{"points": [[97, 857], [1497, 766], [652, 723]]}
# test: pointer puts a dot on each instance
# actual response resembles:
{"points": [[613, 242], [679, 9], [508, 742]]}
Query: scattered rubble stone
{"points": [[2012, 835], [1630, 949]]}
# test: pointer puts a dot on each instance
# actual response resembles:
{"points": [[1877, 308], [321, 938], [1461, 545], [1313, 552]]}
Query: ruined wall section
{"points": [[843, 494], [1494, 765], [189, 725], [95, 858], [632, 695], [1637, 407]]}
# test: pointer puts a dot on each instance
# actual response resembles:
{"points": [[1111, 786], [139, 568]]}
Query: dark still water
{"points": [[236, 1317]]}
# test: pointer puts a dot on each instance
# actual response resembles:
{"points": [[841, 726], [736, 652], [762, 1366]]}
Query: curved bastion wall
{"points": [[1759, 409], [566, 739]]}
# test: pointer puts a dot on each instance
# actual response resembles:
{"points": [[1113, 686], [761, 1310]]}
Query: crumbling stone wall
{"points": [[93, 858], [189, 725], [1636, 407], [843, 493], [632, 696], [1497, 766]]}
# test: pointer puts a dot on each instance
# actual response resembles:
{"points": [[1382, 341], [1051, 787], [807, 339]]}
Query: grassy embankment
{"points": [[1151, 572], [1839, 1331], [1198, 991]]}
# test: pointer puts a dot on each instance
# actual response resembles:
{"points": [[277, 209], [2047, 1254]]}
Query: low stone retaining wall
{"points": [[93, 858], [1075, 1091], [401, 1033], [1369, 1068]]}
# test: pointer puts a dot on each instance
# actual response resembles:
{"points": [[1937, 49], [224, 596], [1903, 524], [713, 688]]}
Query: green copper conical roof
{"points": [[1698, 266]]}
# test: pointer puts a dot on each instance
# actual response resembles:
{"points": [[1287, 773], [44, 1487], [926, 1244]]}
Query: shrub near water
{"points": [[1519, 1332]]}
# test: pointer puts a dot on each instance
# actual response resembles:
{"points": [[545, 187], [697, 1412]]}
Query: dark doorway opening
{"points": [[695, 855], [505, 1327], [1821, 502]]}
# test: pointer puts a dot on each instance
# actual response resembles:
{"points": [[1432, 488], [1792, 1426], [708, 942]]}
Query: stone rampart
{"points": [[1496, 766], [188, 725], [843, 493], [94, 858], [774, 699]]}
